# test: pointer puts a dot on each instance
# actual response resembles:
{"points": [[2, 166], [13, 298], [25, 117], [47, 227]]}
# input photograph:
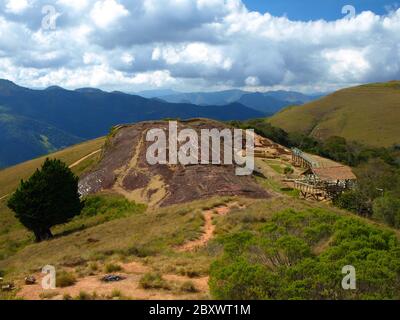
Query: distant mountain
{"points": [[369, 114], [205, 98], [263, 103], [156, 93], [268, 102], [70, 116], [292, 97]]}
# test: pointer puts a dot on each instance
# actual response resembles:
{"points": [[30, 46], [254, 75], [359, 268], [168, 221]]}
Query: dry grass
{"points": [[158, 231], [13, 236], [368, 114], [10, 177]]}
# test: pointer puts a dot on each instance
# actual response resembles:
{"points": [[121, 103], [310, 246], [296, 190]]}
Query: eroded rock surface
{"points": [[124, 169]]}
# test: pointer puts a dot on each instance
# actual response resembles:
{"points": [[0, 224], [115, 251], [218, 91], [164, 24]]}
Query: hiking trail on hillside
{"points": [[209, 227]]}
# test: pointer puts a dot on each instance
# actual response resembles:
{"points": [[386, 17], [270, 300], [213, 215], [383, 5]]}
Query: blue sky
{"points": [[313, 9]]}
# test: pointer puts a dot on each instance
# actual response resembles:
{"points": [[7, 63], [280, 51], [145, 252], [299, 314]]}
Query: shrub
{"points": [[153, 281], [276, 260], [387, 209], [116, 294], [93, 266], [65, 279], [67, 296], [288, 170], [140, 251], [188, 286], [111, 267], [84, 296]]}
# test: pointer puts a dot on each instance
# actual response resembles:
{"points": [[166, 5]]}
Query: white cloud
{"points": [[252, 81], [192, 45], [193, 53], [16, 6], [106, 12], [347, 64]]}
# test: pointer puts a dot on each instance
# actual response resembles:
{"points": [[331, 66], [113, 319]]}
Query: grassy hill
{"points": [[273, 248], [369, 114], [10, 177]]}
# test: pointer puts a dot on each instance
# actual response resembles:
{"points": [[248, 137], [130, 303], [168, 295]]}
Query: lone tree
{"points": [[49, 197]]}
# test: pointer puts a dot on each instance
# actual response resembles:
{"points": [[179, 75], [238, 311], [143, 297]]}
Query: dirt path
{"points": [[129, 287], [71, 166], [209, 227], [5, 196], [84, 158]]}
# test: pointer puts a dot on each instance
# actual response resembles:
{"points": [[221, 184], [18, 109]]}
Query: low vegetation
{"points": [[112, 267], [154, 281], [300, 255], [65, 279]]}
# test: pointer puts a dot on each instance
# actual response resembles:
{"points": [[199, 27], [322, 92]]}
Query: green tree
{"points": [[48, 198], [387, 209]]}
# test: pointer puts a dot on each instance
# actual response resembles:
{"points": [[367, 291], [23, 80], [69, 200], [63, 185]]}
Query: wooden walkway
{"points": [[308, 190]]}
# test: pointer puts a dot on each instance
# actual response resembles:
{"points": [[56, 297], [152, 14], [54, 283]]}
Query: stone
{"points": [[29, 280], [112, 278]]}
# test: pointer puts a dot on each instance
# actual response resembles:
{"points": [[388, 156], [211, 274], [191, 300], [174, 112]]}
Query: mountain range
{"points": [[36, 122], [268, 102]]}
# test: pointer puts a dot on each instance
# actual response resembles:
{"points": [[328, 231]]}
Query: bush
{"points": [[93, 266], [111, 267], [288, 170], [188, 286], [65, 279], [85, 296], [153, 281], [140, 251], [387, 209], [354, 201], [277, 260], [116, 294]]}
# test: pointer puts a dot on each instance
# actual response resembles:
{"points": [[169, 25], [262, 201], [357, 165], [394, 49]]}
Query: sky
{"points": [[329, 10], [199, 45]]}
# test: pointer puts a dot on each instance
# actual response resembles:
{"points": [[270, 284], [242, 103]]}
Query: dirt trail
{"points": [[84, 158], [71, 166], [129, 287], [209, 227], [5, 196]]}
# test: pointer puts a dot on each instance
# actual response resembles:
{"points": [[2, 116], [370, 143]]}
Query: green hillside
{"points": [[280, 247], [24, 138], [369, 114]]}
